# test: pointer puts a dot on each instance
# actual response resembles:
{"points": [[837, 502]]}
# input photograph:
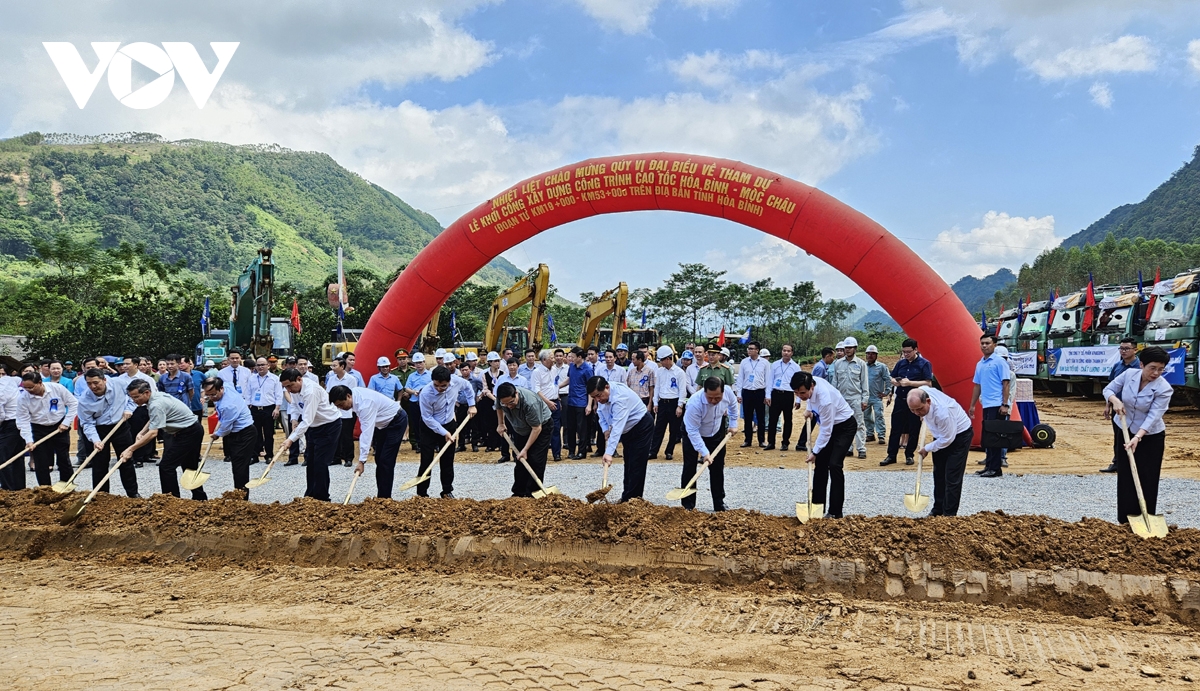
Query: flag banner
{"points": [[1091, 361], [1176, 371], [643, 317], [454, 335], [550, 324], [296, 315], [205, 319], [745, 339]]}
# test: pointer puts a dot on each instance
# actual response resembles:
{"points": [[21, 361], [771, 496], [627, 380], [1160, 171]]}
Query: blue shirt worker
{"points": [[992, 379], [437, 401], [624, 420], [418, 379], [879, 380], [710, 415], [385, 382], [104, 412], [579, 372], [235, 427]]}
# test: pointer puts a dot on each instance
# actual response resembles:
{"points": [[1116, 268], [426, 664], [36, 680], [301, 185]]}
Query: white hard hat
{"points": [[841, 344], [493, 356], [209, 363], [383, 361], [850, 342], [1002, 352], [472, 356], [665, 352], [872, 349], [439, 353], [764, 353], [725, 352], [418, 357]]}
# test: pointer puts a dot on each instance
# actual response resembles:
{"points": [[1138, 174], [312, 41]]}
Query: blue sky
{"points": [[980, 133]]}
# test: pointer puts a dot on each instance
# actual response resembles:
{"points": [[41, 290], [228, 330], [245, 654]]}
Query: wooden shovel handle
{"points": [[96, 449], [1137, 483], [35, 445]]}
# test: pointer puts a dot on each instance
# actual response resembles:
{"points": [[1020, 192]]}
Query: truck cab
{"points": [[1032, 336], [1006, 329], [1172, 324]]}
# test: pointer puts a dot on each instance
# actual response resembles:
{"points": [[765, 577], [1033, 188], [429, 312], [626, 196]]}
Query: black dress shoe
{"points": [[747, 445], [862, 454], [447, 495], [784, 447], [670, 457], [598, 454], [652, 457], [557, 459], [770, 447], [882, 441], [1112, 468], [870, 437], [909, 460], [887, 461], [291, 462], [981, 462], [849, 453], [991, 473]]}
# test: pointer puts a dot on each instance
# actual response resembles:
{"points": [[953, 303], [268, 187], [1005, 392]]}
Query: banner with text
{"points": [[1092, 361], [1026, 363], [1175, 373]]}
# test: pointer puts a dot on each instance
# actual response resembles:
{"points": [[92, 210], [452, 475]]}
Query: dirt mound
{"points": [[987, 541]]}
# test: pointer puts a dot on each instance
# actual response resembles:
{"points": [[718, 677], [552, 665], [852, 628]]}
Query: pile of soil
{"points": [[985, 541]]}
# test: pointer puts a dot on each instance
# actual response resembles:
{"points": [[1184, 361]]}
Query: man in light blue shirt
{"points": [[821, 367], [418, 379], [236, 427], [101, 408], [624, 420], [710, 413], [437, 401], [385, 382], [992, 377]]}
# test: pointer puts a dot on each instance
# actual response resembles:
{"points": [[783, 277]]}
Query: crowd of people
{"points": [[540, 408]]}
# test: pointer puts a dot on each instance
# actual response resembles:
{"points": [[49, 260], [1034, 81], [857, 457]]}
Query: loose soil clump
{"points": [[986, 541]]}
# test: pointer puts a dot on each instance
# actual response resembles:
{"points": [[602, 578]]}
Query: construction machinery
{"points": [[612, 303], [1173, 325], [429, 340], [531, 289], [252, 329]]}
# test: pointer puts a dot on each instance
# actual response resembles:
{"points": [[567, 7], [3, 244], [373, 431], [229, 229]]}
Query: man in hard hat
{"points": [[880, 378], [669, 387], [849, 375]]}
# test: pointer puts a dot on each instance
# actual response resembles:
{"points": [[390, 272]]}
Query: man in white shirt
{"points": [[752, 378], [349, 359], [780, 398], [383, 425], [12, 478], [527, 367], [951, 430], [43, 409], [828, 451], [321, 426], [131, 365], [547, 389], [850, 375], [711, 413], [624, 420], [437, 401], [669, 387], [236, 375], [610, 370], [340, 375], [263, 393]]}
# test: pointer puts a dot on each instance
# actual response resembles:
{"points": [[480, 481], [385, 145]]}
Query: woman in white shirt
{"points": [[1142, 396]]}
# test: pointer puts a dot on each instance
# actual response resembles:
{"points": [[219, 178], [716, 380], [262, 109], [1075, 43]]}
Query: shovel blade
{"points": [[802, 514], [552, 489], [72, 513], [816, 511], [679, 493], [916, 503], [63, 487], [413, 482], [1148, 525], [257, 482], [192, 480]]}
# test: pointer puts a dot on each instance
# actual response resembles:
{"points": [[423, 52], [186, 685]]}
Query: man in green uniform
{"points": [[715, 368]]}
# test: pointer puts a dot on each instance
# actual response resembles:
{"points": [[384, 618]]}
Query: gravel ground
{"points": [[774, 491]]}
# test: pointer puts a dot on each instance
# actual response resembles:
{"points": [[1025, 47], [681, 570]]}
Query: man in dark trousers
{"points": [[951, 431], [711, 413], [754, 375], [992, 378], [437, 401], [780, 398], [321, 426], [625, 421], [12, 478], [828, 450], [236, 427], [578, 374], [263, 394], [529, 417], [910, 371], [46, 408], [1128, 360], [176, 420], [383, 424], [102, 407]]}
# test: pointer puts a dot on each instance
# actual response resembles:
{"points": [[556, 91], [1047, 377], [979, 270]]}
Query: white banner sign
{"points": [[1094, 361], [1026, 363]]}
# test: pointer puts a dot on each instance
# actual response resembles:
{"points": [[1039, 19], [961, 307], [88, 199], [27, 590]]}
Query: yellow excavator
{"points": [[531, 289], [429, 340], [610, 303]]}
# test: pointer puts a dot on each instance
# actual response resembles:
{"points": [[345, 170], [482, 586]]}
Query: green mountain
{"points": [[975, 292], [210, 204], [1171, 212]]}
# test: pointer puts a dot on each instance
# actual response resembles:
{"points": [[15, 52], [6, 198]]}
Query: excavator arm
{"points": [[250, 308], [429, 341], [531, 288], [611, 302]]}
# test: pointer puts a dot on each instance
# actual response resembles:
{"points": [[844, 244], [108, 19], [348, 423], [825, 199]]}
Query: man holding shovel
{"points": [[236, 427], [828, 452], [177, 421], [528, 415], [624, 418], [951, 429], [711, 413], [437, 401], [101, 408], [321, 426], [383, 424], [46, 408]]}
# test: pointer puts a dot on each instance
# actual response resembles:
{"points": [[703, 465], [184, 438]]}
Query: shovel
{"points": [[194, 479], [429, 471], [1145, 525], [69, 486], [598, 494], [35, 445], [681, 492], [542, 489], [260, 481], [917, 502], [74, 511], [353, 481], [808, 510]]}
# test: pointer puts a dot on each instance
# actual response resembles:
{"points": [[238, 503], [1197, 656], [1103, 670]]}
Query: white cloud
{"points": [[1001, 240], [715, 69], [1126, 54], [782, 262], [1194, 54], [633, 16], [1101, 95]]}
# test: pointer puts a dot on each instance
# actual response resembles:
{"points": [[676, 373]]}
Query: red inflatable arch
{"points": [[891, 273]]}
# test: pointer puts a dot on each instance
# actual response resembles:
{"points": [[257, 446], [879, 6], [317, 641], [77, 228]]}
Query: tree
{"points": [[688, 295]]}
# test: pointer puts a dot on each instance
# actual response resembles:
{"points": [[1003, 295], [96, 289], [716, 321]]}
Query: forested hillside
{"points": [[211, 205], [1171, 212], [976, 292]]}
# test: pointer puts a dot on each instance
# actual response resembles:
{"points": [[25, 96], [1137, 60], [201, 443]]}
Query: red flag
{"points": [[296, 315], [1089, 306], [1153, 297], [721, 338]]}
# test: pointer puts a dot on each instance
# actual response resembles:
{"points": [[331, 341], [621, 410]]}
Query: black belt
{"points": [[261, 407]]}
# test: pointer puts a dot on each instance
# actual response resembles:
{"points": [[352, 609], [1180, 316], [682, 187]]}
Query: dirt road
{"points": [[121, 624]]}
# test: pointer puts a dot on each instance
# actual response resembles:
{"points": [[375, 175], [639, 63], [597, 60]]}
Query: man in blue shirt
{"points": [[1129, 360], [821, 367], [992, 378], [236, 427], [910, 371], [189, 366], [385, 382], [578, 373], [417, 380]]}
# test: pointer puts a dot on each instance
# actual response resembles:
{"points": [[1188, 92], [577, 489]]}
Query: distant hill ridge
{"points": [[209, 203]]}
